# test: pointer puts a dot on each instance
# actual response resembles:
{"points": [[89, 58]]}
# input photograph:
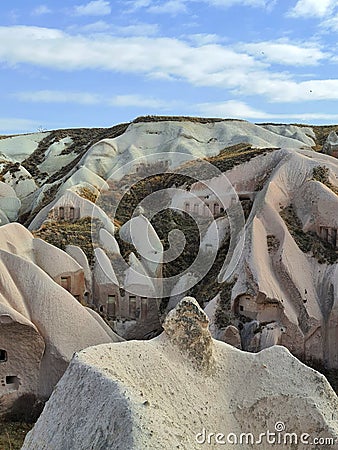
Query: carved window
{"points": [[12, 381], [71, 213], [132, 306], [66, 283], [3, 356], [111, 306], [144, 308]]}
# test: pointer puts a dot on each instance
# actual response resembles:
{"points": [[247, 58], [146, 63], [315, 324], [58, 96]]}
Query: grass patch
{"points": [[223, 314], [308, 242], [321, 173], [151, 118], [61, 234], [12, 434]]}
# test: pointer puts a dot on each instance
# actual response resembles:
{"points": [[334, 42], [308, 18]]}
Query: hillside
{"points": [[240, 216]]}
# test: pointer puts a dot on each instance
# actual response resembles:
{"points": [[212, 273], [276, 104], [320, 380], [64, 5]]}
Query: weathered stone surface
{"points": [[330, 146], [232, 336], [152, 395], [41, 324]]}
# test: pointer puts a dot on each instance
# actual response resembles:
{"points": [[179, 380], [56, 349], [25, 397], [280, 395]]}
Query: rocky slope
{"points": [[269, 238], [42, 324]]}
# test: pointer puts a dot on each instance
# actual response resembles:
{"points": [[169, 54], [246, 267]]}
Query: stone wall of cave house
{"points": [[123, 306], [308, 347], [314, 345], [256, 308], [210, 203], [21, 350], [69, 213], [332, 339], [334, 152], [328, 234], [146, 169], [74, 282]]}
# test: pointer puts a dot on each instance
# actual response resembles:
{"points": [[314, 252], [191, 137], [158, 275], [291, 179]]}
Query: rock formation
{"points": [[330, 146], [285, 281], [181, 390], [280, 288], [42, 324]]}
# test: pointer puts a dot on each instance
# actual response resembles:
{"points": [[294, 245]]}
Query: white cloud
{"points": [[331, 23], [166, 58], [138, 29], [8, 125], [204, 38], [94, 27], [286, 53], [180, 6], [48, 96], [231, 108], [312, 8], [137, 101], [228, 3], [204, 65], [240, 110], [41, 10], [93, 8], [287, 90], [87, 98], [172, 7]]}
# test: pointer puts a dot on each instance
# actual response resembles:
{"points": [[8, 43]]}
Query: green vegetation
{"points": [[322, 133], [88, 194], [321, 173], [273, 243], [83, 139], [77, 233], [223, 314], [182, 119], [308, 242], [12, 434]]}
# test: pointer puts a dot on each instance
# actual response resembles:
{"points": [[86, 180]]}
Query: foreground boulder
{"points": [[179, 390]]}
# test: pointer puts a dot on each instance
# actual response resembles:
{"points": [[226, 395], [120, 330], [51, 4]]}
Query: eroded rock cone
{"points": [[187, 327]]}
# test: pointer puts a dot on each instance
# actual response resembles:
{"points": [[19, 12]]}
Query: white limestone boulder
{"points": [[176, 390]]}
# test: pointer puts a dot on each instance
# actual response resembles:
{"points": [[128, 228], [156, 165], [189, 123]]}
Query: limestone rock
{"points": [[187, 328], [152, 395], [232, 336], [42, 324], [330, 146]]}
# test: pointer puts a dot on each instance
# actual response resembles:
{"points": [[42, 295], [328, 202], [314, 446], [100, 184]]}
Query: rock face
{"points": [[42, 324], [284, 285], [179, 390], [283, 288], [330, 146]]}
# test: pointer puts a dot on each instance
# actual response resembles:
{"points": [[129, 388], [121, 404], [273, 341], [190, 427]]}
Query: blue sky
{"points": [[77, 63]]}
